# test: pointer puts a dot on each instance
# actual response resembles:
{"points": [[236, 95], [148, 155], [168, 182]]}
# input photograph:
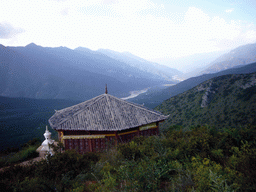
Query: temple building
{"points": [[104, 120]]}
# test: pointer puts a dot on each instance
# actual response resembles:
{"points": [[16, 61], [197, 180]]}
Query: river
{"points": [[135, 93]]}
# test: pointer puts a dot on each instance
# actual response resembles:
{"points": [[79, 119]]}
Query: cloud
{"points": [[138, 28], [58, 0], [65, 11], [246, 35], [145, 28], [109, 2], [251, 34], [229, 10], [7, 31]]}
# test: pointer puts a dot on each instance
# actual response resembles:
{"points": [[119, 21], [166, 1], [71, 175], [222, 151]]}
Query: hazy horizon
{"points": [[150, 29]]}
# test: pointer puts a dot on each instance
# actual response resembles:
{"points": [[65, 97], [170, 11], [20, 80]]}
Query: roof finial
{"points": [[106, 89]]}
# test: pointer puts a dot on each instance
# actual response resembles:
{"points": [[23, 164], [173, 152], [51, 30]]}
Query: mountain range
{"points": [[224, 101], [188, 64], [62, 73], [229, 63], [240, 56], [153, 98], [155, 69], [205, 63]]}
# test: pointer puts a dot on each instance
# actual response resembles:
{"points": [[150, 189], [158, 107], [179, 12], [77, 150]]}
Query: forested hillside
{"points": [[225, 101], [22, 119]]}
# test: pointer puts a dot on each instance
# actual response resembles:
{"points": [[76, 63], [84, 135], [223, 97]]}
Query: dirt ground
{"points": [[24, 163], [31, 160]]}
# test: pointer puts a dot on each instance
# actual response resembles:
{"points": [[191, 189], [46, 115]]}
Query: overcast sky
{"points": [[147, 28]]}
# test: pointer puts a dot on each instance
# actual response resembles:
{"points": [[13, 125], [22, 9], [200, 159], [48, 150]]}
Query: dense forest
{"points": [[198, 158], [22, 119]]}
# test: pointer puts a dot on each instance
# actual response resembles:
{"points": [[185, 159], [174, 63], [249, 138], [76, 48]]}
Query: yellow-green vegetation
{"points": [[199, 158], [28, 151]]}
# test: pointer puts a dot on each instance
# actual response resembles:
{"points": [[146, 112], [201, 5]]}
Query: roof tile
{"points": [[104, 113]]}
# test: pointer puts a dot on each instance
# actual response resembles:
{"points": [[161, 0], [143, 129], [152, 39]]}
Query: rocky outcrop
{"points": [[208, 95], [251, 83]]}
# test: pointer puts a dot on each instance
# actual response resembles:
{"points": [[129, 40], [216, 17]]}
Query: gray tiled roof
{"points": [[104, 113]]}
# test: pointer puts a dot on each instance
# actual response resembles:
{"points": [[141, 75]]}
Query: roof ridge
{"points": [[96, 99], [114, 114], [61, 110], [109, 103]]}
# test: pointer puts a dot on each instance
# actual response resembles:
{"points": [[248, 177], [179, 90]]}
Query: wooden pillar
{"points": [[59, 135], [83, 146], [66, 144], [87, 147], [90, 145], [93, 145], [157, 129], [72, 144], [116, 136]]}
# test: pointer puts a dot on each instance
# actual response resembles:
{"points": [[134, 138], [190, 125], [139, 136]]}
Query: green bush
{"points": [[197, 159]]}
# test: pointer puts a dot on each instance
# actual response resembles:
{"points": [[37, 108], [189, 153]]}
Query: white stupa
{"points": [[45, 149]]}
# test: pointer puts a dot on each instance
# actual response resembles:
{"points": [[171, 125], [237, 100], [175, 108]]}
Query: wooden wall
{"points": [[98, 141], [89, 145]]}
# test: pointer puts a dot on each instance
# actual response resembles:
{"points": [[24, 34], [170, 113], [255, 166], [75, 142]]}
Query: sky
{"points": [[147, 28]]}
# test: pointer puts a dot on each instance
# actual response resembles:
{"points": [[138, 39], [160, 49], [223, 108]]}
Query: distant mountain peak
{"points": [[105, 51], [85, 49], [127, 53], [239, 56], [31, 45]]}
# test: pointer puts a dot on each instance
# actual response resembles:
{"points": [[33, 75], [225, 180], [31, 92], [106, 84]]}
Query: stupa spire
{"points": [[44, 149]]}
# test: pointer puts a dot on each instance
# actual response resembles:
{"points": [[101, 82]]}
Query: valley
{"points": [[155, 98], [209, 133], [51, 74], [117, 95]]}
